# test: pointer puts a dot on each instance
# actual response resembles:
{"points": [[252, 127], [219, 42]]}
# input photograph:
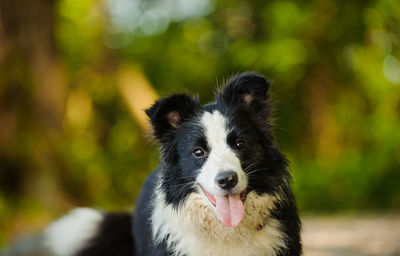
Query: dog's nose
{"points": [[227, 180]]}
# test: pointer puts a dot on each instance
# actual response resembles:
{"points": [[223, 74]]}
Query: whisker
{"points": [[252, 164], [183, 184], [256, 170]]}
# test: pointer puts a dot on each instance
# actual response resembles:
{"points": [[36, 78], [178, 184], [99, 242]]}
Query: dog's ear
{"points": [[167, 114], [246, 88]]}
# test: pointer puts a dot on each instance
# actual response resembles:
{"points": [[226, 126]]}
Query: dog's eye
{"points": [[199, 153], [240, 144]]}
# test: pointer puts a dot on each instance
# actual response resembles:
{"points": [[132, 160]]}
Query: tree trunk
{"points": [[32, 100]]}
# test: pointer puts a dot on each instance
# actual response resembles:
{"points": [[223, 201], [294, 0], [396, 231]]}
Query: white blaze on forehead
{"points": [[221, 156], [215, 129]]}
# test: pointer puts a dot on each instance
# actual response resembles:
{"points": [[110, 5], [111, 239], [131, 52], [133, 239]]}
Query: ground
{"points": [[322, 236], [353, 236]]}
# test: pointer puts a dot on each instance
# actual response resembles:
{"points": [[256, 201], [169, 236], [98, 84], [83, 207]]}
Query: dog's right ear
{"points": [[249, 89], [167, 114]]}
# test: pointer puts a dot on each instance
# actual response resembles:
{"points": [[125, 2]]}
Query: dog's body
{"points": [[222, 186]]}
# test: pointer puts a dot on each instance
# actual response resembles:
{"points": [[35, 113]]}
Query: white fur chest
{"points": [[194, 229]]}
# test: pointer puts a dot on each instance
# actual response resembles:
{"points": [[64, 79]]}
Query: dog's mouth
{"points": [[212, 198], [230, 209]]}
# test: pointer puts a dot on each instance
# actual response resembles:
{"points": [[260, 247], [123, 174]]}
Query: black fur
{"points": [[114, 237], [141, 222]]}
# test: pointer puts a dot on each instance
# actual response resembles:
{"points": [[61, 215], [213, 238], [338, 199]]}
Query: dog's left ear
{"points": [[249, 89]]}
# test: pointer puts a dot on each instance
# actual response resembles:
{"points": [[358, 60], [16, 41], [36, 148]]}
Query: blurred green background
{"points": [[75, 76]]}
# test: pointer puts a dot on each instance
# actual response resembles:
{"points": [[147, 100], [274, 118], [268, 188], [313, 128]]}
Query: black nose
{"points": [[227, 180]]}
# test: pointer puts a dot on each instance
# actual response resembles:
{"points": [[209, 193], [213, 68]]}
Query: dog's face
{"points": [[222, 150]]}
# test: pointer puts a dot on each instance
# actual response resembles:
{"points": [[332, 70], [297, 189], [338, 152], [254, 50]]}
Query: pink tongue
{"points": [[230, 209]]}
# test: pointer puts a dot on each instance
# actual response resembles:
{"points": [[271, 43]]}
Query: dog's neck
{"points": [[193, 228]]}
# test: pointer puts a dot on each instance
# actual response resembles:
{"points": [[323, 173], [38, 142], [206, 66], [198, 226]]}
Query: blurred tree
{"points": [[32, 99], [27, 39]]}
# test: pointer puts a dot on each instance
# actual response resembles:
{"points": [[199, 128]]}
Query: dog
{"points": [[222, 187]]}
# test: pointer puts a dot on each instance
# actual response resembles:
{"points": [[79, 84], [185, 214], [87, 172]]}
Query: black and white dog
{"points": [[222, 187]]}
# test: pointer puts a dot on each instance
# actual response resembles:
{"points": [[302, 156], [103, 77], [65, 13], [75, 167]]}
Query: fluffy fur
{"points": [[179, 210]]}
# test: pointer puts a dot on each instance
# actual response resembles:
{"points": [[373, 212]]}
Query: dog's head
{"points": [[221, 150]]}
